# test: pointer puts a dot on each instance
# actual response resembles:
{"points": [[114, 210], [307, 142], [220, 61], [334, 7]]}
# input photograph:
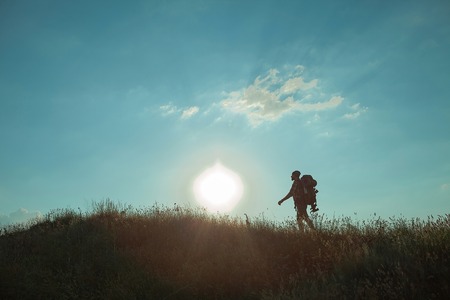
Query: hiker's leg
{"points": [[309, 222], [301, 212], [300, 224]]}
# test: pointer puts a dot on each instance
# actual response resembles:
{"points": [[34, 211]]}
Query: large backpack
{"points": [[309, 183]]}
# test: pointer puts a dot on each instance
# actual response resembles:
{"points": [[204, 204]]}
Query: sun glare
{"points": [[218, 188]]}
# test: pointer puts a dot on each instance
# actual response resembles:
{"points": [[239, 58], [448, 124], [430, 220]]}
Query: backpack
{"points": [[309, 184]]}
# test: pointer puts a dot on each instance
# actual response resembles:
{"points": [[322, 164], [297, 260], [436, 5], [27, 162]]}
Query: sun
{"points": [[218, 188]]}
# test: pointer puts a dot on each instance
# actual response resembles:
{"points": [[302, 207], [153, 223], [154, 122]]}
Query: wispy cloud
{"points": [[184, 113], [168, 109], [271, 97], [189, 112], [357, 110], [275, 95], [445, 186]]}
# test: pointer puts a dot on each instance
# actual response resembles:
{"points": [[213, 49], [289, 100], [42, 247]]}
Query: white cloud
{"points": [[184, 113], [168, 109], [271, 97], [445, 186], [19, 216], [295, 84], [357, 110], [332, 103], [189, 112]]}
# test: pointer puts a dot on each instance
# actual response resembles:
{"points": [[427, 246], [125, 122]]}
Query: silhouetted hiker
{"points": [[297, 191]]}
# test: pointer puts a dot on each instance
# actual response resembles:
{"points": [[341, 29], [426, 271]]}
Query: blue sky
{"points": [[132, 100]]}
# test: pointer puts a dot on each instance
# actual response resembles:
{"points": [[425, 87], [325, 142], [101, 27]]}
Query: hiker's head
{"points": [[295, 175]]}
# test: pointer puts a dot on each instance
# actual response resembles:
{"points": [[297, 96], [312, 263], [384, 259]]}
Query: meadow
{"points": [[120, 252]]}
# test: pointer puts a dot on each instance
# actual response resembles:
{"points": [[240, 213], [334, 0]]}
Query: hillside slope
{"points": [[162, 253]]}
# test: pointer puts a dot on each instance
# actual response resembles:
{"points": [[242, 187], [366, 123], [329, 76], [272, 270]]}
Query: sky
{"points": [[132, 100]]}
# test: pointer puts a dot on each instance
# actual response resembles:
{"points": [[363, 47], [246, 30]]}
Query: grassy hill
{"points": [[119, 252]]}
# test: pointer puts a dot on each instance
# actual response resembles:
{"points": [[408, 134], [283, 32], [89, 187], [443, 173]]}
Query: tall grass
{"points": [[119, 252]]}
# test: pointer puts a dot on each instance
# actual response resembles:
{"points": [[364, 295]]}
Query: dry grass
{"points": [[118, 252]]}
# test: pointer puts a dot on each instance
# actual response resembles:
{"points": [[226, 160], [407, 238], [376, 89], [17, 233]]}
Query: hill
{"points": [[118, 252]]}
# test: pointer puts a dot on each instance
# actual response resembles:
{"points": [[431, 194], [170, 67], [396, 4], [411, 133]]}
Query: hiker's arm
{"points": [[289, 195]]}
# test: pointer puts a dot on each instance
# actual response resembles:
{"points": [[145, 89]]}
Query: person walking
{"points": [[297, 192]]}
